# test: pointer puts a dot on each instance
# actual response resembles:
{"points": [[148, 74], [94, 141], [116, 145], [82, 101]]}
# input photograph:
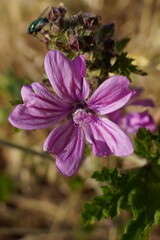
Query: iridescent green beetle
{"points": [[37, 25]]}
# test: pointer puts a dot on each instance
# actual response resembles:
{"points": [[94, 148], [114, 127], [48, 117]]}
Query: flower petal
{"points": [[67, 143], [67, 77], [111, 95], [133, 121], [41, 109], [116, 117], [107, 138]]}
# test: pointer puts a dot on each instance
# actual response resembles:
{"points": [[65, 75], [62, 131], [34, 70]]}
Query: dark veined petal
{"points": [[111, 95], [107, 138], [67, 143], [41, 109], [67, 77]]}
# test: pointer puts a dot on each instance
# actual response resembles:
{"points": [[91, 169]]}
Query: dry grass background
{"points": [[44, 204]]}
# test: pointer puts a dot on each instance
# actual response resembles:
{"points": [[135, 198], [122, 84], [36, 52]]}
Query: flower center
{"points": [[81, 116]]}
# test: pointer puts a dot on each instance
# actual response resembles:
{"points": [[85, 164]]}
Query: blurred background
{"points": [[36, 202]]}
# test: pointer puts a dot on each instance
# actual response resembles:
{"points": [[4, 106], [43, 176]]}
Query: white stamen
{"points": [[81, 116]]}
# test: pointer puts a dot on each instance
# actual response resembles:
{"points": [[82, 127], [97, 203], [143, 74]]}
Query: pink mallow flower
{"points": [[79, 117]]}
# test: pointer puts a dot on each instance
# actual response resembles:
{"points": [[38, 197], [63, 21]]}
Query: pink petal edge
{"points": [[111, 95]]}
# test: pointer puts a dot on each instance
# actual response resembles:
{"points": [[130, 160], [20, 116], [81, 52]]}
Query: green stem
{"points": [[5, 143]]}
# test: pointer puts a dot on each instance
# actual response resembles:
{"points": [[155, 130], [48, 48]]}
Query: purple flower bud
{"points": [[133, 121], [91, 20], [74, 43], [56, 13]]}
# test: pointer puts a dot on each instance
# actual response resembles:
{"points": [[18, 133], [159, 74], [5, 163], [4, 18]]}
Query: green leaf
{"points": [[104, 205], [143, 143], [121, 44], [110, 175], [144, 202], [136, 229], [123, 65], [147, 145], [136, 191]]}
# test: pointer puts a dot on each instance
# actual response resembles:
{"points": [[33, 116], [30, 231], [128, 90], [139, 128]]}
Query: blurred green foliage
{"points": [[6, 187], [11, 84], [76, 182], [10, 88]]}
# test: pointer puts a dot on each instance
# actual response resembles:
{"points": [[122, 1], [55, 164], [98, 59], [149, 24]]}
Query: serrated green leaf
{"points": [[120, 44], [123, 65], [110, 175], [136, 229], [147, 145], [137, 191]]}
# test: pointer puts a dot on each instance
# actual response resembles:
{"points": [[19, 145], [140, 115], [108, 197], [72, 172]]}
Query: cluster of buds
{"points": [[75, 33], [82, 32]]}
